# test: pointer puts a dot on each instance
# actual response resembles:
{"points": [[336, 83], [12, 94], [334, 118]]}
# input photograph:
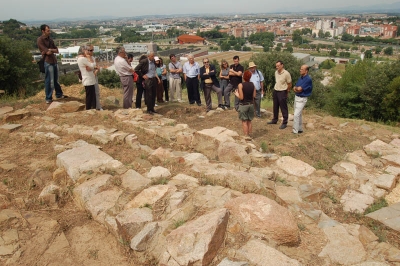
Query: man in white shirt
{"points": [[191, 73], [125, 73], [258, 80]]}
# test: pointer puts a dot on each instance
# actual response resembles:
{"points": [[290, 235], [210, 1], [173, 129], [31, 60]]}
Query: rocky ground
{"points": [[185, 188]]}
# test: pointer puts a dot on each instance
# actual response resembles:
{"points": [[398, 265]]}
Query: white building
{"points": [[140, 47]]}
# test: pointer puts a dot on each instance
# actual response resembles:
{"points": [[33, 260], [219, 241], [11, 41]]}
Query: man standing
{"points": [[210, 82], [48, 50], [235, 78], [303, 89], [175, 70], [191, 74], [257, 78], [125, 73], [146, 69], [281, 91]]}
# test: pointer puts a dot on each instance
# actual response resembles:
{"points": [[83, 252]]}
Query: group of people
{"points": [[151, 80]]}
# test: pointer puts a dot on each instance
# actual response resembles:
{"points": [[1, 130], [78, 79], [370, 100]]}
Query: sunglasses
{"points": [[205, 62], [90, 50]]}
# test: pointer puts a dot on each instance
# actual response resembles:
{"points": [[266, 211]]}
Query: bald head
{"points": [[304, 70]]}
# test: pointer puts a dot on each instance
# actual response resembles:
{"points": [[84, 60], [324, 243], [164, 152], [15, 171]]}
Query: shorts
{"points": [[246, 112]]}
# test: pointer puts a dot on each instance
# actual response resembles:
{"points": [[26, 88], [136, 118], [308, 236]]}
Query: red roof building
{"points": [[190, 39]]}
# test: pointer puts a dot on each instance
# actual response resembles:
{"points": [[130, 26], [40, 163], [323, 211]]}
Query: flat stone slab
{"points": [[389, 216], [295, 167], [10, 127], [82, 159], [385, 181], [15, 116], [5, 110], [355, 201]]}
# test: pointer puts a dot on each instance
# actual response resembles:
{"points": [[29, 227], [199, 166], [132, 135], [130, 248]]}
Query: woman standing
{"points": [[224, 75], [164, 79], [246, 93], [160, 87], [87, 66]]}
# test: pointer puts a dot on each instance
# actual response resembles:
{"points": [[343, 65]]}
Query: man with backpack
{"points": [[258, 80]]}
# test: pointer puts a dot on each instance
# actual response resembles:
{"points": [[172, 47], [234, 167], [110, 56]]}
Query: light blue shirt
{"points": [[152, 70], [256, 78], [191, 71]]}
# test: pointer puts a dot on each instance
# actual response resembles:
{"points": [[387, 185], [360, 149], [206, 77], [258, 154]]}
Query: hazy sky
{"points": [[24, 10]]}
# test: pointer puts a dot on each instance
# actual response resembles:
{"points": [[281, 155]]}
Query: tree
{"points": [[368, 54], [327, 64], [278, 48], [296, 37], [388, 50], [321, 34], [261, 38], [17, 71], [237, 47], [225, 46], [347, 37], [333, 52], [378, 50], [289, 49], [327, 34]]}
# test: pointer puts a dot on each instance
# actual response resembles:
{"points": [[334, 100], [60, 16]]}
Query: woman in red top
{"points": [[246, 93]]}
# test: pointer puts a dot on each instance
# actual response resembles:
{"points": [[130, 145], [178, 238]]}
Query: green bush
{"points": [[109, 79], [327, 64], [69, 79]]}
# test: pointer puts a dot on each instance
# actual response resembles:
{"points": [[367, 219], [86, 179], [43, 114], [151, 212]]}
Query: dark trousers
{"points": [[160, 92], [280, 101], [151, 89], [192, 85], [227, 92], [165, 85], [139, 93], [207, 94], [90, 97]]}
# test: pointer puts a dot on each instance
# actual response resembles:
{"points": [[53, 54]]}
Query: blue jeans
{"points": [[51, 81]]}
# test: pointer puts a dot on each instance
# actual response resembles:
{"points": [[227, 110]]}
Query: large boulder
{"points": [[198, 241], [265, 216]]}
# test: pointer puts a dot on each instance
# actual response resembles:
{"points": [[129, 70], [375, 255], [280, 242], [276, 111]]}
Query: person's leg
{"points": [[130, 91], [172, 87], [139, 93], [90, 94], [218, 91], [236, 102], [179, 89], [165, 85], [283, 106], [227, 92], [159, 92], [148, 94], [249, 127], [196, 92], [48, 89], [257, 103], [275, 107], [97, 92], [299, 104], [207, 96], [154, 82], [189, 86], [57, 87], [126, 103]]}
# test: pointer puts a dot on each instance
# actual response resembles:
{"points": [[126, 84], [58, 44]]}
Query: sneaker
{"points": [[155, 104], [300, 131], [283, 126], [271, 123], [221, 106], [101, 109], [49, 101], [198, 104], [62, 97]]}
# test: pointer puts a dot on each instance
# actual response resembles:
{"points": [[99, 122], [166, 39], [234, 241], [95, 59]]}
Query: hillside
{"points": [[184, 187]]}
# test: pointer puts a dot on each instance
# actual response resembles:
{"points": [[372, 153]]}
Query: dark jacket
{"points": [[212, 74], [142, 68]]}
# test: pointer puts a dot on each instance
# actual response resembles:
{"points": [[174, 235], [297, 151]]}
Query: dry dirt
{"points": [[89, 243]]}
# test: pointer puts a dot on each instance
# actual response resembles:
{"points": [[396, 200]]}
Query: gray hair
{"points": [[119, 49], [190, 56]]}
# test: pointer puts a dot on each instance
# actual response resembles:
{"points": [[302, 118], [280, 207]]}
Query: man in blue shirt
{"points": [[303, 89]]}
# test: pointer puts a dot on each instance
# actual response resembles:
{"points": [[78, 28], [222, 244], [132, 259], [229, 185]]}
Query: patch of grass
{"points": [[147, 205], [205, 181], [124, 242], [301, 226], [378, 230], [378, 204], [172, 124], [160, 181], [179, 222], [5, 181], [143, 156], [285, 153], [117, 181], [110, 172], [282, 180], [264, 146], [93, 254], [331, 197], [89, 172]]}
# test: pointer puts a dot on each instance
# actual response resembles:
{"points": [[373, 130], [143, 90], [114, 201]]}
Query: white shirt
{"points": [[191, 71], [88, 77], [122, 67]]}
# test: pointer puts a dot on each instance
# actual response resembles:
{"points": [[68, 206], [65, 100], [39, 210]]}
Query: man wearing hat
{"points": [[257, 78]]}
